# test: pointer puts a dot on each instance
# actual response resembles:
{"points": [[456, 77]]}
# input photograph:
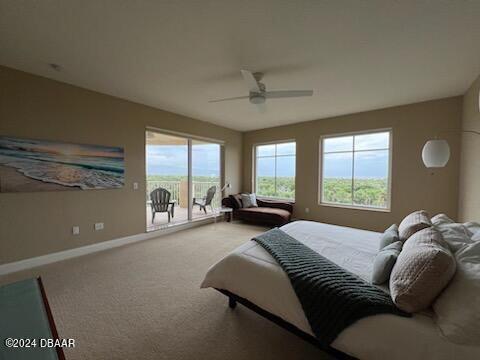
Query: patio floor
{"points": [[180, 216]]}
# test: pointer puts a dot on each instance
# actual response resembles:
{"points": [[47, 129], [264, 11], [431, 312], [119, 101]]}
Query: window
{"points": [[355, 170], [275, 170]]}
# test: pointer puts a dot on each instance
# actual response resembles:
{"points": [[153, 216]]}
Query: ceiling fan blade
{"points": [[250, 80], [287, 93], [231, 98]]}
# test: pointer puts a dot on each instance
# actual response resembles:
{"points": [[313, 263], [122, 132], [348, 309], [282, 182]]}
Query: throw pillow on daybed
{"points": [[249, 200], [412, 223], [423, 269], [236, 201]]}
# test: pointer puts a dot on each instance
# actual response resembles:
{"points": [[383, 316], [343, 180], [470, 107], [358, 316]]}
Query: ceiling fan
{"points": [[258, 93]]}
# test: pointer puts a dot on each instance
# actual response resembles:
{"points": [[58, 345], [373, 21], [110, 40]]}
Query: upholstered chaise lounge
{"points": [[269, 212]]}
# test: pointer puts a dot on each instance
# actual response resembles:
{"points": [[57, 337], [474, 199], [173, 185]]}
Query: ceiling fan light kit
{"points": [[258, 93], [257, 98]]}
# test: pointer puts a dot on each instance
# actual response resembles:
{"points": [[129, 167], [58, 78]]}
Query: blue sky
{"points": [[173, 159], [371, 164], [339, 165], [371, 161]]}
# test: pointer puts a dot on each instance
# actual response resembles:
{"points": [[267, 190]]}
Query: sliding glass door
{"points": [[205, 178], [183, 179], [167, 175]]}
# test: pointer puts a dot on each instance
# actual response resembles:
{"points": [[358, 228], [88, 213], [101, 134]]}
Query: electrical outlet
{"points": [[307, 210], [135, 186], [98, 226], [76, 230]]}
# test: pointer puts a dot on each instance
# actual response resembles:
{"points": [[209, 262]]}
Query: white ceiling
{"points": [[177, 55]]}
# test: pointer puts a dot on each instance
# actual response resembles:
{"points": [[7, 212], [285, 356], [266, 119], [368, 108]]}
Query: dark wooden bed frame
{"points": [[233, 299]]}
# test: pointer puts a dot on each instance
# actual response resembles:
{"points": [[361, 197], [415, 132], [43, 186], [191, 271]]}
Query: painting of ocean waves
{"points": [[37, 165]]}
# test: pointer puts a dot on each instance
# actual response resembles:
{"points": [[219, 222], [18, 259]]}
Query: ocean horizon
{"points": [[70, 165]]}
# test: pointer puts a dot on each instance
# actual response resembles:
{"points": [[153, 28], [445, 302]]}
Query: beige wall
{"points": [[469, 193], [413, 185], [33, 224]]}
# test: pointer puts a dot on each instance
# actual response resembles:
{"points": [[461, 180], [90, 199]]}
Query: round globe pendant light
{"points": [[436, 153]]}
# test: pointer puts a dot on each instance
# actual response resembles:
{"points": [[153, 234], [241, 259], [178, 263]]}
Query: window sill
{"points": [[355, 207]]}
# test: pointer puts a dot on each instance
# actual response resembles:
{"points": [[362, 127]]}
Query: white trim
{"points": [[274, 142], [254, 163], [84, 250], [275, 199], [190, 181], [360, 132], [355, 207], [321, 202], [182, 134]]}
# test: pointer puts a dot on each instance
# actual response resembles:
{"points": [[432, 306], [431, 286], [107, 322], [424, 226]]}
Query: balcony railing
{"points": [[179, 190], [172, 186]]}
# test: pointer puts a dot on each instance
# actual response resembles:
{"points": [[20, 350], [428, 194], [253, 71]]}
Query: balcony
{"points": [[179, 194]]}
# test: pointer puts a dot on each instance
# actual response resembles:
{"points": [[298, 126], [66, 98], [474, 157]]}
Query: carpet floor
{"points": [[143, 301]]}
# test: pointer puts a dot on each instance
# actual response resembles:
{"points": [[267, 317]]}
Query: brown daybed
{"points": [[269, 212]]}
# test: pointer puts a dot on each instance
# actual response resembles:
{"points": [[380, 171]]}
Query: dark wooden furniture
{"points": [[206, 200], [160, 202], [53, 328], [232, 303], [268, 212]]}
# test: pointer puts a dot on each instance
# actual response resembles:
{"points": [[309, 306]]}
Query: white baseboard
{"points": [[84, 250]]}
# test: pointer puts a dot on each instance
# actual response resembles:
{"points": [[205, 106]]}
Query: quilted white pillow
{"points": [[457, 309], [423, 268], [412, 223]]}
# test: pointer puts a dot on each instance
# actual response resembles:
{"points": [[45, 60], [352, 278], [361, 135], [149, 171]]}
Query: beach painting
{"points": [[37, 165]]}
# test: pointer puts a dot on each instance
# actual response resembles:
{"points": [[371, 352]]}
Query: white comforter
{"points": [[250, 272]]}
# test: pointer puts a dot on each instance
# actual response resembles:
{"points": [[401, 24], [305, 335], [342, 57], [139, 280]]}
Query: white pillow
{"points": [[249, 200], [457, 309], [412, 223], [471, 229], [441, 219], [476, 237], [474, 230], [455, 234]]}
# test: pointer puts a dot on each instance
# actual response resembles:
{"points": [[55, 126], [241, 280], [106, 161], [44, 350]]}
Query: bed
{"points": [[249, 273]]}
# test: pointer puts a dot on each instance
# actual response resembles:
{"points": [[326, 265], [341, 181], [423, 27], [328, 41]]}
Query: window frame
{"points": [[321, 202], [189, 139], [254, 169]]}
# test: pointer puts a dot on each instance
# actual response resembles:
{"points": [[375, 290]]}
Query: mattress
{"points": [[250, 272]]}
